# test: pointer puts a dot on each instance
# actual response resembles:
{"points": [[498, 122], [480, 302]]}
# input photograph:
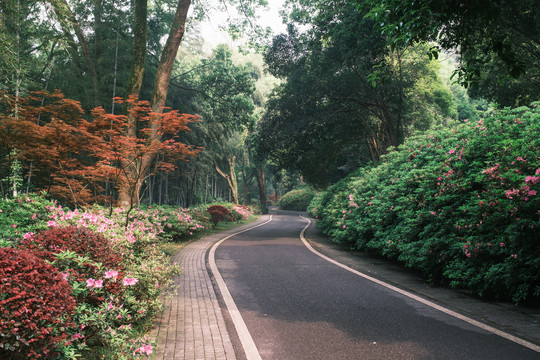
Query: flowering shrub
{"points": [[315, 205], [94, 250], [241, 212], [36, 306], [460, 205], [297, 199], [116, 301], [18, 216], [77, 239], [218, 213], [177, 224]]}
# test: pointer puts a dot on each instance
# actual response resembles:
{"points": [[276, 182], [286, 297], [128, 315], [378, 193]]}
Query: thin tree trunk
{"points": [[230, 177], [259, 174]]}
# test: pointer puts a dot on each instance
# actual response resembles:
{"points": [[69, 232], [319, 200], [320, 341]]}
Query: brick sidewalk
{"points": [[192, 326]]}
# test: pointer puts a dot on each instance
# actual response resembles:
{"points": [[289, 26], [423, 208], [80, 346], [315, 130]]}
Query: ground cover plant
{"points": [[460, 205], [103, 278]]}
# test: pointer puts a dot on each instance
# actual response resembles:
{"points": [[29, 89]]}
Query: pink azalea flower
{"points": [[51, 223], [90, 282], [145, 349], [111, 274], [130, 281], [98, 283]]}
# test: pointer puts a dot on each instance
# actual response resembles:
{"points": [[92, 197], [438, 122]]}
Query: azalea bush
{"points": [[218, 213], [115, 274], [461, 205], [36, 306], [315, 205], [241, 212], [178, 224], [109, 266], [297, 199]]}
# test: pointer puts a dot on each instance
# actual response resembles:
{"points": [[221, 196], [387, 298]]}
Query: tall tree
{"points": [[221, 94], [331, 115], [483, 31]]}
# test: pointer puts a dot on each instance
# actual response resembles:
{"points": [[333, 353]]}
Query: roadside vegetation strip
{"points": [[458, 205], [250, 349], [418, 298]]}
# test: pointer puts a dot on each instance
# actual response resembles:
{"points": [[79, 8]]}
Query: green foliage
{"points": [[460, 205], [297, 199], [21, 215], [485, 32], [315, 206], [330, 115]]}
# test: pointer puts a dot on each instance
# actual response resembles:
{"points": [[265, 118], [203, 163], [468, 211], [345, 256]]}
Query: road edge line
{"points": [[250, 349], [476, 323]]}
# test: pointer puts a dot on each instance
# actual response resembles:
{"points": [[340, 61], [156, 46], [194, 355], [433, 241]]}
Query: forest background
{"points": [[332, 94]]}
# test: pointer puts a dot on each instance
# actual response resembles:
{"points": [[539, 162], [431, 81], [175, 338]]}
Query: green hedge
{"points": [[461, 205], [297, 199]]}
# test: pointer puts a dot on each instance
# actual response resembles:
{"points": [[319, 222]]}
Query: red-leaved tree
{"points": [[72, 158]]}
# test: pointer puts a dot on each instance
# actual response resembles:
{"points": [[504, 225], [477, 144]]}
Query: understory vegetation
{"points": [[87, 283], [459, 204]]}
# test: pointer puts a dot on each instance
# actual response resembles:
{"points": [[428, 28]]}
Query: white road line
{"points": [[243, 333], [417, 298]]}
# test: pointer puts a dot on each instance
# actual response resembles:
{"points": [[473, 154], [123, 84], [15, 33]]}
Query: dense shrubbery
{"points": [[36, 306], [297, 199], [108, 274], [218, 213], [460, 205]]}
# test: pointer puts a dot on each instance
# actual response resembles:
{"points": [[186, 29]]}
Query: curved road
{"points": [[297, 305]]}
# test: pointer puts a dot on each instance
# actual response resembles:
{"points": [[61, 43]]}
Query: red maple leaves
{"points": [[73, 157]]}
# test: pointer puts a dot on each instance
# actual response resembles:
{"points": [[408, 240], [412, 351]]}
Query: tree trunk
{"points": [[139, 48], [163, 75], [259, 174], [230, 177], [161, 85]]}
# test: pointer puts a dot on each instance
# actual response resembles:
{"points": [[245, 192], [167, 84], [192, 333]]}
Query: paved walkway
{"points": [[192, 326]]}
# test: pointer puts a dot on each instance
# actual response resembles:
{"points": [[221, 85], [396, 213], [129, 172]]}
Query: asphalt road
{"points": [[297, 305]]}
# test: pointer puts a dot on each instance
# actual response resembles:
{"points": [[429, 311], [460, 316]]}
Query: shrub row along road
{"points": [[296, 305]]}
